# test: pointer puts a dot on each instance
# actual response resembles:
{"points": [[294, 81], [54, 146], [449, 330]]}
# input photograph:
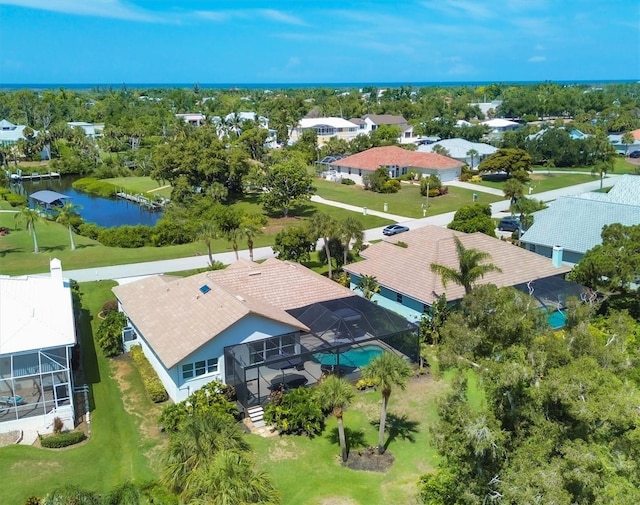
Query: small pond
{"points": [[105, 212]]}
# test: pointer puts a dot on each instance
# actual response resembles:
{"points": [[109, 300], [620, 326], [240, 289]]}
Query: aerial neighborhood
{"points": [[357, 295]]}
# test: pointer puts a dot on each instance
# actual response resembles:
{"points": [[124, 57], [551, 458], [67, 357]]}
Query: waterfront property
{"points": [[409, 287], [37, 335], [257, 327]]}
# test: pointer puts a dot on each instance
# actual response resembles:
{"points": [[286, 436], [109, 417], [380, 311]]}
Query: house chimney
{"points": [[556, 256], [55, 266]]}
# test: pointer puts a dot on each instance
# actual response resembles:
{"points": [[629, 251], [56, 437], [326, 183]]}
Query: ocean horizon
{"points": [[276, 85]]}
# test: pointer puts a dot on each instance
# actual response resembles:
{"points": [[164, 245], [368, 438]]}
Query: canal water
{"points": [[105, 212]]}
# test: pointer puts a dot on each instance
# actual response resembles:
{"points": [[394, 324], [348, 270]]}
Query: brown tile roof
{"points": [[388, 119], [176, 318], [408, 270], [372, 159], [282, 284]]}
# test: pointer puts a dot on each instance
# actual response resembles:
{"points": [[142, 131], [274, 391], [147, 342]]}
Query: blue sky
{"points": [[310, 41]]}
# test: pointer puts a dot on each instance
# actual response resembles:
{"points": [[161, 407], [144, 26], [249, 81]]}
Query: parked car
{"points": [[634, 154], [394, 229], [510, 223]]}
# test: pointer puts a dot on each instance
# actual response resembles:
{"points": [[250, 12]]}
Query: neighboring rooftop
{"points": [[407, 270], [334, 122], [36, 312], [48, 197], [459, 148], [371, 159]]}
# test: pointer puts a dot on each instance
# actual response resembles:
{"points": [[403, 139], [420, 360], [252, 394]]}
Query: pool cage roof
{"points": [[348, 319], [551, 293]]}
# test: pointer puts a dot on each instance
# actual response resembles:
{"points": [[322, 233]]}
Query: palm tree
{"points": [[368, 285], [250, 226], [232, 235], [323, 225], [30, 217], [207, 232], [627, 140], [199, 438], [67, 213], [473, 154], [387, 370], [335, 393], [602, 168], [441, 150], [71, 494], [513, 189], [230, 478], [350, 229], [470, 269]]}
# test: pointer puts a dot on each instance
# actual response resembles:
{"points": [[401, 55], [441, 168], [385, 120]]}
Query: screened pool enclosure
{"points": [[346, 334]]}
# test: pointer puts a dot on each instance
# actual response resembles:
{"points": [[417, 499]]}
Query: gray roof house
{"points": [[575, 223]]}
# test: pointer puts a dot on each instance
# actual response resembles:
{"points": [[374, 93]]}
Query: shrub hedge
{"points": [[95, 187], [16, 200], [63, 439], [150, 379]]}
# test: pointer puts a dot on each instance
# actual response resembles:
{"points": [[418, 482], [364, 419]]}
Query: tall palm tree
{"points": [[190, 448], [65, 216], [441, 150], [232, 235], [30, 217], [387, 370], [335, 393], [250, 226], [71, 494], [469, 267], [207, 232], [322, 225], [230, 478], [473, 154], [368, 285], [350, 229]]}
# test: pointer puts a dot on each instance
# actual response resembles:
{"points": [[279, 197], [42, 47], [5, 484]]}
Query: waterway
{"points": [[105, 212]]}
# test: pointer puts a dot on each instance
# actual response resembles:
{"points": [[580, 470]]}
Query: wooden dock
{"points": [[143, 200], [19, 176]]}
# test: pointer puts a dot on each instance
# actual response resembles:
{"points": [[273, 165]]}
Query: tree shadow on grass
{"points": [[52, 248], [84, 246], [398, 427], [354, 438], [86, 367], [4, 252]]}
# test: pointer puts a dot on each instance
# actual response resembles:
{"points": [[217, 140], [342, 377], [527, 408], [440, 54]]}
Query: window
{"points": [[425, 308], [398, 298], [191, 370], [265, 349], [200, 368], [212, 366], [187, 371]]}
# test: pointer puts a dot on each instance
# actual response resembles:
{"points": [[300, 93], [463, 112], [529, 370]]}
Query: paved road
{"points": [[499, 209]]}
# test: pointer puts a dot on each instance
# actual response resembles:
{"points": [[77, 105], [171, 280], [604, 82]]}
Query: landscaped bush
{"points": [[391, 186], [4, 192], [109, 334], [63, 439], [214, 397], [347, 182], [126, 236], [171, 232], [150, 378], [94, 186], [90, 230], [363, 384], [109, 306], [295, 412], [16, 200]]}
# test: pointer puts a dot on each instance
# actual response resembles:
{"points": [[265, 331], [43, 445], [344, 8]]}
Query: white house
{"points": [[499, 126], [459, 149], [326, 128], [93, 130], [37, 335], [11, 133], [194, 118]]}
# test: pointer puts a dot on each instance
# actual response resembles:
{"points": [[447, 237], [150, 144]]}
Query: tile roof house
{"points": [[399, 162], [230, 324], [575, 223], [37, 336], [409, 287]]}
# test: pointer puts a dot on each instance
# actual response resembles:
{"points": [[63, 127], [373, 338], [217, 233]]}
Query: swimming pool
{"points": [[356, 357]]}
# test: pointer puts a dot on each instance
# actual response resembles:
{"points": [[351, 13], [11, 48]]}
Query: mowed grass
{"points": [[17, 256], [118, 449], [309, 471], [541, 181], [138, 185], [407, 202]]}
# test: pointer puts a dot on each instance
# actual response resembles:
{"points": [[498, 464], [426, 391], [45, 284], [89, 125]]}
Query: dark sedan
{"points": [[394, 229]]}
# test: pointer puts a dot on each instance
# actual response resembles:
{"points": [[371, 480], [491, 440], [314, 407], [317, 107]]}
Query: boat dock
{"points": [[143, 200], [19, 176]]}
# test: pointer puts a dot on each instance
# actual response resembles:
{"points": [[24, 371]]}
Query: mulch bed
{"points": [[369, 460]]}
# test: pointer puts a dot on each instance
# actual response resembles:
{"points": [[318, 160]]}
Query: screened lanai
{"points": [[345, 335]]}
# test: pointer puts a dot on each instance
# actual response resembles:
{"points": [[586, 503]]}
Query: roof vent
{"points": [[204, 289], [240, 298], [255, 273]]}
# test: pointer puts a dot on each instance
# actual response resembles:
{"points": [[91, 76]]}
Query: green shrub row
{"points": [[14, 199], [95, 187], [165, 232], [150, 379], [60, 440]]}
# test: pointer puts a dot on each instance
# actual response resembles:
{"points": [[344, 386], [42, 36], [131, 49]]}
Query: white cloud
{"points": [[280, 16], [537, 59], [461, 8], [98, 8]]}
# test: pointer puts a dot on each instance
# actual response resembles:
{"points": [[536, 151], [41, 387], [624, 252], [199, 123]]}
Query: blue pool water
{"points": [[557, 319], [356, 357]]}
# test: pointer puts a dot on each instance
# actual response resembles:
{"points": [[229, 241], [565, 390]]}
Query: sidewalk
{"points": [[360, 210]]}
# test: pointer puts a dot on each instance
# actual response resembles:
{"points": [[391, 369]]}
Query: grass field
{"points": [[137, 185], [541, 181], [121, 445], [407, 202]]}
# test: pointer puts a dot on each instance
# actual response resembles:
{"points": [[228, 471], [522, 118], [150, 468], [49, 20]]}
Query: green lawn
{"points": [[541, 181], [407, 202], [137, 185], [118, 449]]}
